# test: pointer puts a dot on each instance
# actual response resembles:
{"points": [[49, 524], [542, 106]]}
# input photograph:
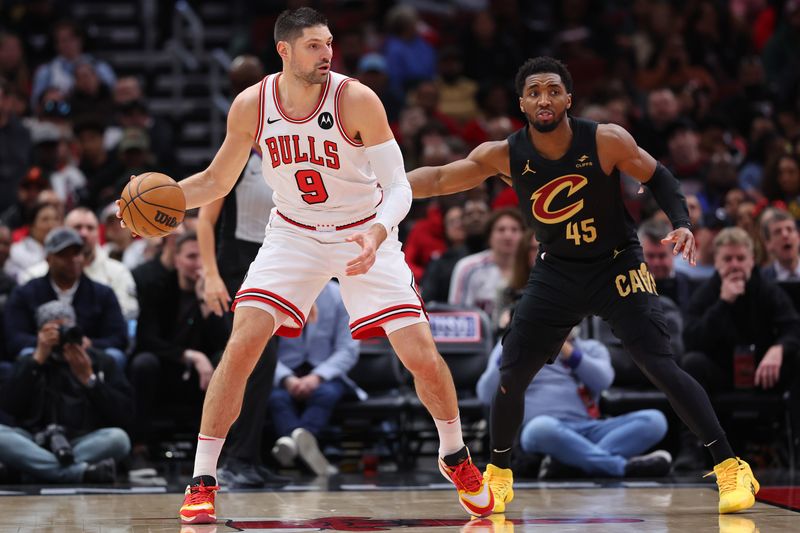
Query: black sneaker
{"points": [[551, 468], [271, 479], [104, 471], [692, 457], [654, 464]]}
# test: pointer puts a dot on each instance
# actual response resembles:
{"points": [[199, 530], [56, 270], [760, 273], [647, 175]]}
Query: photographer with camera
{"points": [[70, 401]]}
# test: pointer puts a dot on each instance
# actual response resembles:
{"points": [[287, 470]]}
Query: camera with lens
{"points": [[69, 335], [54, 438]]}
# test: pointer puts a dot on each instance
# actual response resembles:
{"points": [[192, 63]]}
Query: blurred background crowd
{"points": [[711, 88]]}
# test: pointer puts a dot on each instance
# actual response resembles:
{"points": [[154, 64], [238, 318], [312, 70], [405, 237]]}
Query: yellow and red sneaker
{"points": [[473, 492], [198, 501]]}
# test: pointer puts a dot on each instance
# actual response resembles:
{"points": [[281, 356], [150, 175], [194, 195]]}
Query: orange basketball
{"points": [[152, 204]]}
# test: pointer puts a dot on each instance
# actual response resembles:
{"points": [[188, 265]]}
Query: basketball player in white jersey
{"points": [[340, 191]]}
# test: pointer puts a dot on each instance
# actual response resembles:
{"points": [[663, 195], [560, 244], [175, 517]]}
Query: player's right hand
{"points": [[119, 212], [216, 295]]}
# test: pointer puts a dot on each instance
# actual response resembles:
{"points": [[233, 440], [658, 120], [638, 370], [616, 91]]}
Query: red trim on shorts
{"points": [[369, 326], [260, 110], [322, 94], [337, 116], [285, 331], [272, 299], [314, 228]]}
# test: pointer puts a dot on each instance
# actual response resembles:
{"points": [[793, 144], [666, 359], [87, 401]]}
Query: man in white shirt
{"points": [[97, 265], [783, 244]]}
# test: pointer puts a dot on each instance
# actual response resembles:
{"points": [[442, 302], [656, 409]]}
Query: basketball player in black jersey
{"points": [[565, 171]]}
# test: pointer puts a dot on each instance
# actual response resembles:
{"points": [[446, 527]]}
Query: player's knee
{"points": [[423, 363]]}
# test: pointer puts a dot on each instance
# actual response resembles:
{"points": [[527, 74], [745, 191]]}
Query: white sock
{"points": [[450, 439], [208, 450]]}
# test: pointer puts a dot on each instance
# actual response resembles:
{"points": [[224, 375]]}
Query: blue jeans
{"points": [[313, 414], [598, 447], [19, 451]]}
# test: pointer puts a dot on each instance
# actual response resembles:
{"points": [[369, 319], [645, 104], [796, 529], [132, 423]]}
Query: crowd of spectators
{"points": [[710, 88]]}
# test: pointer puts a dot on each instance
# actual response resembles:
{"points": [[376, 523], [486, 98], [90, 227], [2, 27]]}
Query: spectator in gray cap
{"points": [[71, 402], [96, 307]]}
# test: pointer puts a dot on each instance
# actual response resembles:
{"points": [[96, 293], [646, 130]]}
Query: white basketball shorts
{"points": [[294, 264]]}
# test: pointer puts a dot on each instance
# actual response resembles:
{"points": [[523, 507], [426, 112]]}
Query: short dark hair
{"points": [[183, 238], [535, 65], [292, 22], [653, 230], [497, 214]]}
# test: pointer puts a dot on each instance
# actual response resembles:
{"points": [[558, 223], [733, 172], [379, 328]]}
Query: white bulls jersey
{"points": [[319, 175]]}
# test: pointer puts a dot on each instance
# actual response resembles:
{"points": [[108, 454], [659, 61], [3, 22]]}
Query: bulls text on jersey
{"points": [[288, 149]]}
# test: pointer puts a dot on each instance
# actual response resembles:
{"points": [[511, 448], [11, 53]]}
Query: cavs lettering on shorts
{"points": [[564, 186], [634, 281], [287, 149]]}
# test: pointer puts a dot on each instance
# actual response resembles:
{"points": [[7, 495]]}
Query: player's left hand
{"points": [[684, 242], [369, 241], [769, 369]]}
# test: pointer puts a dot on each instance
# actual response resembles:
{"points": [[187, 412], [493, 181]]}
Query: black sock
{"points": [[720, 449], [208, 481], [454, 459], [501, 458]]}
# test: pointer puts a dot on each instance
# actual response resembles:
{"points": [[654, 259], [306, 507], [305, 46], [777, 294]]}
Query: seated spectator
{"points": [[436, 283], [90, 96], [783, 245], [704, 237], [782, 183], [60, 72], [72, 403], [742, 332], [478, 279], [30, 250], [493, 102], [372, 73], [310, 379], [52, 150], [524, 259], [101, 167], [32, 183], [95, 305], [7, 284], [120, 242], [562, 417], [97, 265], [456, 92], [661, 262], [133, 112], [178, 339], [16, 154], [408, 56]]}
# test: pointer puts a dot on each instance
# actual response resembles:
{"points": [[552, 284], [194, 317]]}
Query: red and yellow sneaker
{"points": [[198, 501], [473, 493]]}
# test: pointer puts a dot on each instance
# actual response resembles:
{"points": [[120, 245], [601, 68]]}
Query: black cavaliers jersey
{"points": [[575, 209]]}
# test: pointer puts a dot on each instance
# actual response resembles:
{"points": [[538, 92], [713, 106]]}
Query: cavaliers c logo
{"points": [[544, 196]]}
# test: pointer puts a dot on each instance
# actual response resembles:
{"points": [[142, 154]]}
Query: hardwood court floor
{"points": [[562, 508]]}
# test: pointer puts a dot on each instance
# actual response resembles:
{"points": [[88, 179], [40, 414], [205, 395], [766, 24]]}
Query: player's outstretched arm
{"points": [[218, 179], [488, 159], [617, 148]]}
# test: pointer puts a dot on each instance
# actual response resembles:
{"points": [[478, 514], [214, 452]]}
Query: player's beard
{"points": [[546, 128], [314, 77]]}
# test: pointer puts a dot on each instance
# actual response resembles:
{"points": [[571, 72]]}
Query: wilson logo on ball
{"points": [[165, 219]]}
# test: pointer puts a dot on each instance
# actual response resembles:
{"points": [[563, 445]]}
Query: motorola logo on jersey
{"points": [[544, 196], [325, 120], [288, 149]]}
